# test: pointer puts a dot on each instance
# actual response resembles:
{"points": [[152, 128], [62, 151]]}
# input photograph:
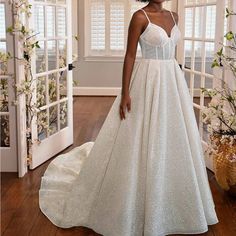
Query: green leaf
{"points": [[220, 52], [227, 12], [215, 64], [229, 36], [37, 44], [9, 29]]}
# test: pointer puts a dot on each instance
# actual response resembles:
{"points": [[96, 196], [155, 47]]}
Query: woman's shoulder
{"points": [[139, 16], [176, 16]]}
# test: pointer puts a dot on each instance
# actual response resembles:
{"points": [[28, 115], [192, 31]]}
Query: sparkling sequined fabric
{"points": [[145, 175]]}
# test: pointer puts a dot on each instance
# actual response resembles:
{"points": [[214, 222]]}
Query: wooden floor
{"points": [[20, 213]]}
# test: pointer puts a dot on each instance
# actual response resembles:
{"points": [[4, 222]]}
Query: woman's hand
{"points": [[125, 103]]}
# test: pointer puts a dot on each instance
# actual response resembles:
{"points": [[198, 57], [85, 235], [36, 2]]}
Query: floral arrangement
{"points": [[220, 113]]}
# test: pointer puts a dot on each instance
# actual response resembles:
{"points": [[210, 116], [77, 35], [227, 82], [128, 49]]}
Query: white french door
{"points": [[202, 26], [52, 66], [8, 146]]}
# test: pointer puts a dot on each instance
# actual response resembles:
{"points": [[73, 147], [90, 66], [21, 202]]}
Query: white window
{"points": [[202, 27], [107, 24]]}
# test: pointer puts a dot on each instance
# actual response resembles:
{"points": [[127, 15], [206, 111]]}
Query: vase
{"points": [[224, 164]]}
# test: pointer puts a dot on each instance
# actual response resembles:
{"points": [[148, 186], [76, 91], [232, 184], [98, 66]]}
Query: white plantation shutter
{"points": [[39, 18], [61, 21], [117, 25], [108, 24], [211, 21], [97, 24]]}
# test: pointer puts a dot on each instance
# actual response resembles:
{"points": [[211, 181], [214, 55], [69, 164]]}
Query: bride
{"points": [[145, 173]]}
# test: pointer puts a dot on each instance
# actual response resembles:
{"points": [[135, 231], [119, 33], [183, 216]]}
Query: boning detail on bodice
{"points": [[155, 42]]}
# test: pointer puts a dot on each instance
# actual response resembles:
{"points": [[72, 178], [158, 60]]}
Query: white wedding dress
{"points": [[145, 175]]}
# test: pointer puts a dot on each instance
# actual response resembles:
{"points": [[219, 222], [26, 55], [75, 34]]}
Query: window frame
{"points": [[216, 72]]}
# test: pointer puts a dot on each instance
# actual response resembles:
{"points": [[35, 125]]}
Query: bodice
{"points": [[156, 44]]}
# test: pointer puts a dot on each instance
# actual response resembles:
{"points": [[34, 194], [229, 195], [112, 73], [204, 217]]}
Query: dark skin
{"points": [[157, 15]]}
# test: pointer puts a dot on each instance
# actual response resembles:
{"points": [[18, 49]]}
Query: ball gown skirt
{"points": [[142, 176]]}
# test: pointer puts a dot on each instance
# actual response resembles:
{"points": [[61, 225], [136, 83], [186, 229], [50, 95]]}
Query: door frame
{"points": [[217, 72], [64, 137], [11, 159]]}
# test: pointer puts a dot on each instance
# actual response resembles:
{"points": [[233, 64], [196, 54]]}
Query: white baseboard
{"points": [[96, 91]]}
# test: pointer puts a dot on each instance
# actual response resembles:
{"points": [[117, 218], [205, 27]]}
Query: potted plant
{"points": [[220, 117]]}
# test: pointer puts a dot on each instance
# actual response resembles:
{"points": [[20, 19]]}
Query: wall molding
{"points": [[96, 91], [107, 91]]}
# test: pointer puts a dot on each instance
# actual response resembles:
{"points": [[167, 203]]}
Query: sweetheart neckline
{"points": [[158, 26]]}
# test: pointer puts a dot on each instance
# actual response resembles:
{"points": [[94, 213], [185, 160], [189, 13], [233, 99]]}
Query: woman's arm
{"points": [[136, 27]]}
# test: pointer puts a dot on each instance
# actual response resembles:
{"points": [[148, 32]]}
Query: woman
{"points": [[145, 173]]}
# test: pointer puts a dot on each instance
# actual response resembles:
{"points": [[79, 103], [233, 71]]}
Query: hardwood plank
{"points": [[15, 209], [7, 179], [20, 210]]}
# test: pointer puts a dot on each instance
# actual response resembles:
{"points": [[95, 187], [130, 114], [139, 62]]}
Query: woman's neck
{"points": [[156, 6]]}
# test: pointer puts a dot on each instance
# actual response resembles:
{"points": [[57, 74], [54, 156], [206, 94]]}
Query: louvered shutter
{"points": [[117, 25], [98, 24], [108, 20]]}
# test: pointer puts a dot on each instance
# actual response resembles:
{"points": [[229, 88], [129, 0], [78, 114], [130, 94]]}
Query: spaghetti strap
{"points": [[145, 14], [172, 16]]}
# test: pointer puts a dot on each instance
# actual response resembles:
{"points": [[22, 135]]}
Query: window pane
{"points": [[208, 82], [188, 53], [62, 46], [209, 52], [3, 47], [52, 55], [199, 22], [4, 95], [2, 21], [97, 18], [50, 21], [188, 22], [41, 91], [53, 116], [5, 131], [210, 22], [61, 21], [198, 56], [117, 15], [63, 115], [40, 57], [39, 20]]}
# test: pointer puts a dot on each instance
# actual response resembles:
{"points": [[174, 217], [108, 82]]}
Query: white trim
{"points": [[109, 58], [63, 137], [9, 154], [220, 6], [21, 114], [108, 91], [96, 91]]}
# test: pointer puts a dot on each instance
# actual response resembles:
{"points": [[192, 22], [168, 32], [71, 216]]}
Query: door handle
{"points": [[71, 66]]}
